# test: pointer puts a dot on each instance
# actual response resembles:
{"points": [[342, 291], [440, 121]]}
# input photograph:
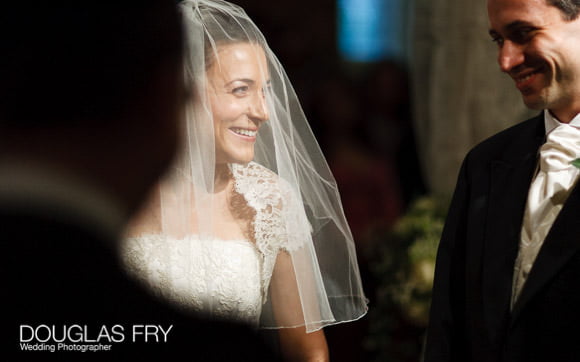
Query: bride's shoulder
{"points": [[258, 179], [254, 171], [262, 187]]}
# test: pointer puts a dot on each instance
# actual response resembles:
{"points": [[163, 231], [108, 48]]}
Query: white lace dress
{"points": [[223, 278], [218, 277]]}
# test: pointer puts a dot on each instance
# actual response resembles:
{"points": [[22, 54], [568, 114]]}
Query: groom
{"points": [[508, 267], [90, 98]]}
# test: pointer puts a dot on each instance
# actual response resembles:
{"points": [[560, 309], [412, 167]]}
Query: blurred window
{"points": [[371, 30]]}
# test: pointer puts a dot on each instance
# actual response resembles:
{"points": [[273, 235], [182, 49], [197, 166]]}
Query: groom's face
{"points": [[540, 50]]}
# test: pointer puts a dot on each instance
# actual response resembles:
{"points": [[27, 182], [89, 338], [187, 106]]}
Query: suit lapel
{"points": [[561, 243], [511, 175]]}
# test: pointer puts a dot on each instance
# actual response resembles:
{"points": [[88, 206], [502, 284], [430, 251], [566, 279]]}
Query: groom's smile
{"points": [[539, 49]]}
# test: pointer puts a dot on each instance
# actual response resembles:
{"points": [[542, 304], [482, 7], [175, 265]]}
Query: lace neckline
{"points": [[193, 237]]}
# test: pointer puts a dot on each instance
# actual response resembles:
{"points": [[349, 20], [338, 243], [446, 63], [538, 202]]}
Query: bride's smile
{"points": [[237, 81]]}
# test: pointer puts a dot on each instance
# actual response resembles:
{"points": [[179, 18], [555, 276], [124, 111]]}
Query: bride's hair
{"points": [[223, 29]]}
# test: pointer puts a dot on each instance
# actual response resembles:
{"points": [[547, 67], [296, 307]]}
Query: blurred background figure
{"points": [[91, 96]]}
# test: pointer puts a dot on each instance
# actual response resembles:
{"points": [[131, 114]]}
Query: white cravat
{"points": [[555, 178]]}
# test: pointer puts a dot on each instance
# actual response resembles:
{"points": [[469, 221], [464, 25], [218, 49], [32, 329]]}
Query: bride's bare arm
{"points": [[295, 343]]}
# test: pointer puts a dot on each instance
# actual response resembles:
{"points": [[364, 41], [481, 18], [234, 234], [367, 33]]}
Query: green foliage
{"points": [[576, 162], [402, 267]]}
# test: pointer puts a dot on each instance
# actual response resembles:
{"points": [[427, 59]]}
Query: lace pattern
{"points": [[215, 277], [280, 221]]}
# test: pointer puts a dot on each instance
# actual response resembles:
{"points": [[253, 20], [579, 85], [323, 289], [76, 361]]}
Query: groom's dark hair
{"points": [[570, 8], [64, 61]]}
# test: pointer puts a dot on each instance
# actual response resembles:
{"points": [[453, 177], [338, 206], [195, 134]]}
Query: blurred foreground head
{"points": [[92, 89]]}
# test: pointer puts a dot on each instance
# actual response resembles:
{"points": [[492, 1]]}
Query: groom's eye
{"points": [[496, 38], [521, 35]]}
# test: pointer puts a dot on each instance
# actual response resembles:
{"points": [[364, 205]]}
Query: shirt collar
{"points": [[551, 122]]}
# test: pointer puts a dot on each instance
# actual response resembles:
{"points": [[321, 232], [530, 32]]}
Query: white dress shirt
{"points": [[548, 192]]}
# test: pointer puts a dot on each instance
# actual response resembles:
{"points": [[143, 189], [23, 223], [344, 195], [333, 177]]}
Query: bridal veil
{"points": [[287, 192]]}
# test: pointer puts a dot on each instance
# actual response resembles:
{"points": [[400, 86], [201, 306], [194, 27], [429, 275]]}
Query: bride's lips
{"points": [[248, 134]]}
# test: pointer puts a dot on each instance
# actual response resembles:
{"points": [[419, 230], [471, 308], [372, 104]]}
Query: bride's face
{"points": [[237, 80]]}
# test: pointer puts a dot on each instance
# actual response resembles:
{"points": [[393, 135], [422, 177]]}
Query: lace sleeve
{"points": [[280, 221]]}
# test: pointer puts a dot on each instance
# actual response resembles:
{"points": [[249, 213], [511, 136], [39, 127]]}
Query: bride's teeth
{"points": [[245, 132]]}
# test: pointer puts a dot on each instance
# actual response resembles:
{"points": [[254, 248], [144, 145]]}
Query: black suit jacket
{"points": [[470, 312], [58, 274]]}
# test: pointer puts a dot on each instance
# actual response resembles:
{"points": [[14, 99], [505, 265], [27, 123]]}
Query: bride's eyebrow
{"points": [[245, 80]]}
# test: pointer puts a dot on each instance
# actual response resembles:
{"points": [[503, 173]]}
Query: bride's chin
{"points": [[243, 157], [235, 155]]}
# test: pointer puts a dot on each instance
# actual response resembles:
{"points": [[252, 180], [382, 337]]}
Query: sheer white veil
{"points": [[287, 196]]}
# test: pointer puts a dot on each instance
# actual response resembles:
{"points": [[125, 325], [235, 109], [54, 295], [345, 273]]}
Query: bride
{"points": [[249, 225]]}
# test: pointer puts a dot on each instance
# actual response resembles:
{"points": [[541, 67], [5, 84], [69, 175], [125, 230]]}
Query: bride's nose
{"points": [[258, 107]]}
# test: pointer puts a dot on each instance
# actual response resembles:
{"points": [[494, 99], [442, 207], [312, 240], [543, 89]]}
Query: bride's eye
{"points": [[241, 91]]}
